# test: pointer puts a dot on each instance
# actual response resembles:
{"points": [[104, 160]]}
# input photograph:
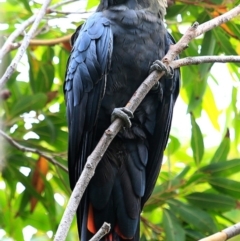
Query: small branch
{"points": [[224, 234], [60, 4], [7, 45], [67, 13], [101, 232], [11, 68], [196, 30], [204, 59], [155, 228], [49, 42], [32, 150]]}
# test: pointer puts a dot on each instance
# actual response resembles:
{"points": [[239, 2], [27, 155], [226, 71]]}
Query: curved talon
{"points": [[160, 66], [124, 114], [158, 89], [170, 73], [156, 86]]}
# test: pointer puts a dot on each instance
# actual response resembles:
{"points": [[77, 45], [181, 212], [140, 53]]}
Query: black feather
{"points": [[110, 58]]}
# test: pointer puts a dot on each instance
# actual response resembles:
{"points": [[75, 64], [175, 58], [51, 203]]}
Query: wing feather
{"points": [[83, 88], [162, 128]]}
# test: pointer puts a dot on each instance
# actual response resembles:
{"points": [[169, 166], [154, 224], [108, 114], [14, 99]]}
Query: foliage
{"points": [[197, 192]]}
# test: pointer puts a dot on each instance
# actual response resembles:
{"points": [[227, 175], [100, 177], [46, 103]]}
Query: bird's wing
{"points": [[84, 88], [162, 127]]}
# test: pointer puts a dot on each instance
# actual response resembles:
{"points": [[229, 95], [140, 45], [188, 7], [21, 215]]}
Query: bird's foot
{"points": [[124, 114], [160, 66], [158, 89]]}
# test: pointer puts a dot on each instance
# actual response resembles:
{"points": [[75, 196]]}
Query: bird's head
{"points": [[157, 6]]}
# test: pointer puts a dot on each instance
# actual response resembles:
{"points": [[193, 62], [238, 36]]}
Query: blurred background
{"points": [[198, 190]]}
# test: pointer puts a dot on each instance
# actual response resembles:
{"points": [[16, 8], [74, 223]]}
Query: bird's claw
{"points": [[160, 66], [124, 114], [157, 88]]}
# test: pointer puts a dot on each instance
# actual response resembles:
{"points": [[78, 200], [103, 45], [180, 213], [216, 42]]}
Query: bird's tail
{"points": [[87, 228]]}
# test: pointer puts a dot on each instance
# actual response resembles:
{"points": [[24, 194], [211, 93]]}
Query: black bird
{"points": [[111, 56]]}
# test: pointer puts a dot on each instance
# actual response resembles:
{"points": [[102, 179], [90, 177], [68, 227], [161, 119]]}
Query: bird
{"points": [[112, 53]]}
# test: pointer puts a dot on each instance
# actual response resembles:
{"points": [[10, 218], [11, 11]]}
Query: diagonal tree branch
{"points": [[33, 150], [8, 45], [132, 105], [11, 68]]}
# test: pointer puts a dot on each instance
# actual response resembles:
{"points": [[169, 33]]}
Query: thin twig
{"points": [[69, 12], [11, 68], [155, 228], [50, 42], [205, 59], [101, 232], [32, 150], [9, 42], [225, 234], [54, 6], [111, 132]]}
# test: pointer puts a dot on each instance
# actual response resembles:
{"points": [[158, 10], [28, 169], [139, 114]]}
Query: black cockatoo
{"points": [[111, 56]]}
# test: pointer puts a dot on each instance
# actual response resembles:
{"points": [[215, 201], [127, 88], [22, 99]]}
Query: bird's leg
{"points": [[124, 114], [158, 89], [160, 66]]}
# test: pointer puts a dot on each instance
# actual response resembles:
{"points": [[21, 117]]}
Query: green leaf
{"points": [[208, 46], [92, 3], [224, 41], [226, 186], [209, 105], [41, 73], [196, 141], [175, 10], [195, 178], [28, 103], [217, 1], [63, 58], [196, 235], [173, 145], [50, 203], [225, 169], [223, 149], [212, 201], [172, 228], [45, 78], [26, 5], [194, 216]]}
